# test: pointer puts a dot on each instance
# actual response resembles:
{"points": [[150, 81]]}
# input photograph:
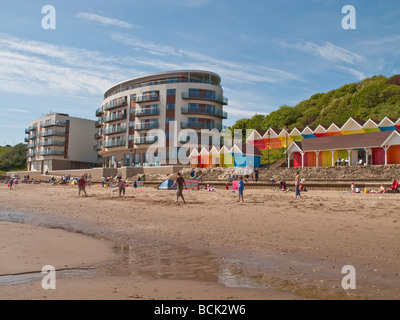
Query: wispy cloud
{"points": [[18, 110], [183, 58], [105, 20], [328, 51]]}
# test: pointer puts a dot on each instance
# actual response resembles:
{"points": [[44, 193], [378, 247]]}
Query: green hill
{"points": [[373, 98], [12, 158]]}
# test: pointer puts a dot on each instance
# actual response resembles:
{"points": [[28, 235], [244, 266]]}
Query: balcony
{"points": [[112, 118], [204, 111], [31, 128], [57, 123], [52, 153], [114, 105], [200, 125], [114, 143], [50, 133], [205, 96], [31, 154], [98, 124], [98, 135], [99, 112], [97, 147], [31, 137], [147, 112], [31, 145], [53, 143], [146, 126], [148, 98], [110, 131], [145, 140]]}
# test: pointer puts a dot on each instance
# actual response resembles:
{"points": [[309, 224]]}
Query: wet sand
{"points": [[270, 247]]}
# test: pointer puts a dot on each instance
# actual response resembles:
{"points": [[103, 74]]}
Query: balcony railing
{"points": [[31, 128], [146, 126], [98, 135], [147, 98], [31, 145], [51, 153], [112, 118], [52, 143], [53, 124], [216, 113], [114, 105], [31, 154], [110, 131], [97, 147], [205, 96], [50, 133], [145, 140], [114, 143], [200, 125], [31, 137], [147, 112], [98, 124], [99, 112]]}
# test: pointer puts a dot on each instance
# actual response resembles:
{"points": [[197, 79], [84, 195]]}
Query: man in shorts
{"points": [[180, 183], [82, 186], [121, 186]]}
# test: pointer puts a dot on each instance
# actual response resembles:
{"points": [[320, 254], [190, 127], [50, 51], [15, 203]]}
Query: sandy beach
{"points": [[147, 247]]}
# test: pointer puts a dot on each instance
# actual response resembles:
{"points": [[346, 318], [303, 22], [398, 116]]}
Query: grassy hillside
{"points": [[373, 98], [12, 158]]}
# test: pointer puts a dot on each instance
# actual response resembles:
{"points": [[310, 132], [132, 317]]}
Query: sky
{"points": [[268, 53]]}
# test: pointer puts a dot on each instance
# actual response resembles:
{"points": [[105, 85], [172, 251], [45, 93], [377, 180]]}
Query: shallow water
{"points": [[165, 261]]}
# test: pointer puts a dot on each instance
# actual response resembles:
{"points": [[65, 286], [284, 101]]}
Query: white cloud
{"points": [[189, 59], [328, 51], [104, 20], [18, 110]]}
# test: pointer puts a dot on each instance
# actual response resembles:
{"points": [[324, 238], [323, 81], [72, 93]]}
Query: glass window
{"points": [[127, 160], [171, 92]]}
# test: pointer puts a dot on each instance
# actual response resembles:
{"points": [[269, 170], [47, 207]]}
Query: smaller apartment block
{"points": [[60, 142]]}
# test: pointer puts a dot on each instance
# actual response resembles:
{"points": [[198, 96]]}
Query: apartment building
{"points": [[60, 142], [170, 102]]}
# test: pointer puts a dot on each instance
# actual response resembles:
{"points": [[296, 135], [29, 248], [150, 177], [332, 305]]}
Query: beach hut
{"points": [[321, 131], [334, 130], [246, 156], [271, 138], [370, 148], [194, 159], [204, 158], [397, 124], [284, 137], [214, 157], [387, 124], [371, 126], [308, 132], [353, 126], [225, 157], [256, 139], [295, 135]]}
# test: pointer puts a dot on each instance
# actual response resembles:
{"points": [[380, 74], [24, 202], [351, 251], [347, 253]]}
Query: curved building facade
{"points": [[133, 110]]}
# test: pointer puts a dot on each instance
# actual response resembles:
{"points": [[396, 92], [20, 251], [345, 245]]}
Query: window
{"points": [[171, 92], [127, 160], [170, 106]]}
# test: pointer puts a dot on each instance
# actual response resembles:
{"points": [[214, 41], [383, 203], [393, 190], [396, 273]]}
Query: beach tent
{"points": [[165, 185], [74, 182]]}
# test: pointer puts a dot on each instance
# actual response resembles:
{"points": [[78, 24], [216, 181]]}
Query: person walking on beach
{"points": [[121, 186], [240, 189], [82, 186], [11, 183], [180, 183], [297, 185]]}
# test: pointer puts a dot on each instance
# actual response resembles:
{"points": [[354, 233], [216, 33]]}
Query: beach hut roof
{"points": [[333, 128], [320, 129], [295, 133], [308, 130], [348, 142], [255, 135], [204, 152], [214, 151], [295, 146], [387, 122], [273, 132], [194, 153], [371, 124], [248, 150], [225, 150], [353, 124]]}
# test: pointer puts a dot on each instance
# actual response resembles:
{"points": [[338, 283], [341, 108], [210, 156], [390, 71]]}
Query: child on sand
{"points": [[240, 189], [121, 186], [81, 186]]}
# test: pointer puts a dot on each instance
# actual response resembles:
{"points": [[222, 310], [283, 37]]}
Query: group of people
{"points": [[393, 189]]}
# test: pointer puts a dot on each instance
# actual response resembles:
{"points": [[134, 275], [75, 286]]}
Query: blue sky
{"points": [[268, 53]]}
